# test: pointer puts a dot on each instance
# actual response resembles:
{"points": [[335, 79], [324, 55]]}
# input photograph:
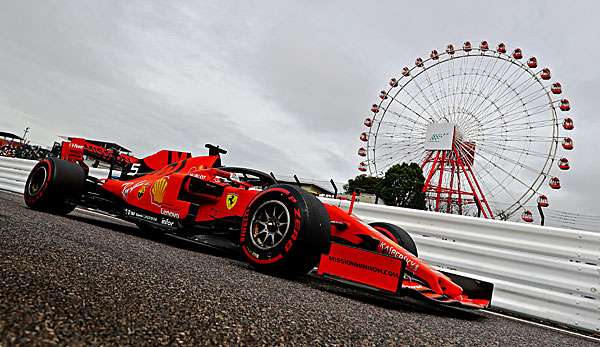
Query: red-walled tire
{"points": [[53, 185], [398, 235], [284, 231]]}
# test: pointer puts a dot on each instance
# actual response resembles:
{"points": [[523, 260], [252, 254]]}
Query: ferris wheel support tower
{"points": [[451, 159]]}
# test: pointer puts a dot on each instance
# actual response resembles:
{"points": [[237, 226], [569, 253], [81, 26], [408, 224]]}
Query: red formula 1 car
{"points": [[279, 228]]}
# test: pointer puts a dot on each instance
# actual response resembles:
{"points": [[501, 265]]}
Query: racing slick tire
{"points": [[53, 184], [284, 231], [398, 235]]}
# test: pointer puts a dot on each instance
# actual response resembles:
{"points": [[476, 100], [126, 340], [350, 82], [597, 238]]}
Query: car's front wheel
{"points": [[285, 230], [398, 235]]}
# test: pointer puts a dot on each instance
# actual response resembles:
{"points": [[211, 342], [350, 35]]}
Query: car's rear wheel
{"points": [[285, 230], [54, 185], [398, 235]]}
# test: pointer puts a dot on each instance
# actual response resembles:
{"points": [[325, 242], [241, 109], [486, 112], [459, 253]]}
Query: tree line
{"points": [[402, 185]]}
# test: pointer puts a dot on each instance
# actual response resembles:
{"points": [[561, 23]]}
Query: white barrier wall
{"points": [[544, 272], [14, 172]]}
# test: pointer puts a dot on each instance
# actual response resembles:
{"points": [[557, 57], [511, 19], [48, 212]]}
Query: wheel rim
{"points": [[270, 224], [37, 180]]}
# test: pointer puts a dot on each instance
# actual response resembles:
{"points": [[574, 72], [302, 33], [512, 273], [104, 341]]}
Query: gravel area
{"points": [[86, 279]]}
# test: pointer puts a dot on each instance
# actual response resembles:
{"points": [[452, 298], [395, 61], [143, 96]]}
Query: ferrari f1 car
{"points": [[279, 228]]}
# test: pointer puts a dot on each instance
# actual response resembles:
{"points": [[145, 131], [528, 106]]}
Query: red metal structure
{"points": [[563, 164], [455, 183], [527, 216], [568, 124], [484, 124]]}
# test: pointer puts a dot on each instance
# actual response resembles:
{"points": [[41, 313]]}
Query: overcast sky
{"points": [[284, 86]]}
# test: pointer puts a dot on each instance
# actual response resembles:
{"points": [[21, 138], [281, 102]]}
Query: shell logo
{"points": [[158, 190]]}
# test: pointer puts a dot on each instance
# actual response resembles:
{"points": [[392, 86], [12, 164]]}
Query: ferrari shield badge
{"points": [[231, 200]]}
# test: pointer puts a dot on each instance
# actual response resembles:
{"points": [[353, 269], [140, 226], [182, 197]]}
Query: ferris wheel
{"points": [[486, 126]]}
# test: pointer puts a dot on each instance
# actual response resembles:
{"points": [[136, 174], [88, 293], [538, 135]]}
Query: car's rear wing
{"points": [[77, 149]]}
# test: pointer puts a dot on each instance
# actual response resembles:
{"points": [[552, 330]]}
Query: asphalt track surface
{"points": [[85, 279]]}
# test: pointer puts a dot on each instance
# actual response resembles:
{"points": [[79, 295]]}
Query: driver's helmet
{"points": [[235, 176]]}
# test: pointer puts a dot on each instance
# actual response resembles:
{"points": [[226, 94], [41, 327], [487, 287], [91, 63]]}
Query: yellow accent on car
{"points": [[231, 200], [158, 190]]}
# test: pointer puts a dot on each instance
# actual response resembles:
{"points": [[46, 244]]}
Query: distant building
{"points": [[6, 137], [14, 146]]}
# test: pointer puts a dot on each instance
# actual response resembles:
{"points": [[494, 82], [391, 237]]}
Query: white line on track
{"points": [[541, 325]]}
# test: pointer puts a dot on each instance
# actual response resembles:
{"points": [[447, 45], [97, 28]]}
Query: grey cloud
{"points": [[283, 85]]}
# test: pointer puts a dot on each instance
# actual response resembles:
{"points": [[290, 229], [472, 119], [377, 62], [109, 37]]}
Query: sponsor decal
{"points": [[195, 171], [231, 200], [129, 187], [199, 176], [297, 217], [169, 213], [390, 250], [244, 226], [439, 136], [158, 190], [141, 192], [167, 222], [138, 215], [363, 266]]}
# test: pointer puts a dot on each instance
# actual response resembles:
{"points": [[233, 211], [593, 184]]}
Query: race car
{"points": [[278, 228]]}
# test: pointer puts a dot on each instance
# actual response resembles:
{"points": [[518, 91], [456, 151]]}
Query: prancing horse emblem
{"points": [[231, 200], [141, 192]]}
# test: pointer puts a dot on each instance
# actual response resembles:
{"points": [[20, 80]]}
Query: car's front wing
{"points": [[387, 274]]}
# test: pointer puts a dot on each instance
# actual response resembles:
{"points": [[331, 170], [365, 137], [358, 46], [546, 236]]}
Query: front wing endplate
{"points": [[359, 266], [386, 274]]}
